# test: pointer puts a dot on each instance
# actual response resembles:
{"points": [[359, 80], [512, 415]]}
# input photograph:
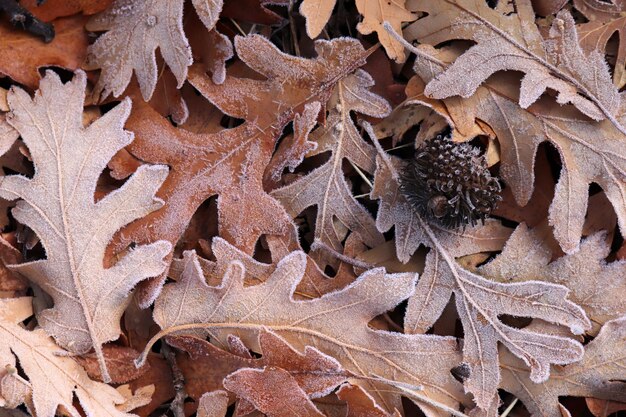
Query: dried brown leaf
{"points": [[361, 404], [597, 286], [479, 301], [58, 204], [272, 391], [24, 54], [587, 156], [213, 404], [231, 162]]}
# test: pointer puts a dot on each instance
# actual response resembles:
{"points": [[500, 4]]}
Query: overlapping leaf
{"points": [[326, 187], [479, 301], [231, 162], [58, 204], [599, 374], [513, 42], [592, 152], [135, 29], [336, 324], [53, 380]]}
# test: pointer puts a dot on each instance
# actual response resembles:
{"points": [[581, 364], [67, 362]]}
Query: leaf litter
{"points": [[202, 209]]}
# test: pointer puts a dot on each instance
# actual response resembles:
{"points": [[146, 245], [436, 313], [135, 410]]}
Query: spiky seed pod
{"points": [[448, 183]]}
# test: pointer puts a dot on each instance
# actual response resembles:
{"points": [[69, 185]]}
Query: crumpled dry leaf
{"points": [[597, 286], [54, 380], [326, 186], [58, 204], [375, 13], [479, 301], [520, 131], [513, 42], [135, 29], [27, 53], [599, 374], [336, 324], [231, 162]]}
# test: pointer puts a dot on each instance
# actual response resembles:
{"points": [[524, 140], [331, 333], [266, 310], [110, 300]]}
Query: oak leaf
{"points": [[599, 374], [58, 204], [597, 286], [272, 391], [479, 302], [326, 186], [510, 42], [54, 380], [231, 162], [360, 403], [336, 324], [520, 131], [135, 29], [605, 20], [52, 9], [206, 366]]}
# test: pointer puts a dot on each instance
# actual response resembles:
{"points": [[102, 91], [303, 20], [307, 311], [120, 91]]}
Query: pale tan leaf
{"points": [[54, 380], [317, 13], [135, 29], [513, 42], [326, 186], [58, 204], [213, 404], [599, 374], [336, 324], [139, 398], [597, 286], [588, 157], [375, 13], [479, 301]]}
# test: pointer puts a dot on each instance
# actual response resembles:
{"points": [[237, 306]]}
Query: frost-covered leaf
{"points": [[360, 403], [272, 391], [58, 204], [326, 186], [592, 152], [599, 374], [231, 162], [605, 20], [336, 324], [53, 380], [135, 29], [597, 286], [480, 303], [513, 42]]}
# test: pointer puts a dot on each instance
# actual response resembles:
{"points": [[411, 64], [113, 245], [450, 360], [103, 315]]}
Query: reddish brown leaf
{"points": [[28, 53]]}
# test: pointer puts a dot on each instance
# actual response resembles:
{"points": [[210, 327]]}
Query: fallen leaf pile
{"points": [[203, 210]]}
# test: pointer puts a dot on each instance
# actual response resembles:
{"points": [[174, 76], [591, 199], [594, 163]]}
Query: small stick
{"points": [[20, 17], [177, 404]]}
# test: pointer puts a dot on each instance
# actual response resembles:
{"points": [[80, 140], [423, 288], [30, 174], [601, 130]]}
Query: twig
{"points": [[509, 408], [177, 404], [22, 18]]}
